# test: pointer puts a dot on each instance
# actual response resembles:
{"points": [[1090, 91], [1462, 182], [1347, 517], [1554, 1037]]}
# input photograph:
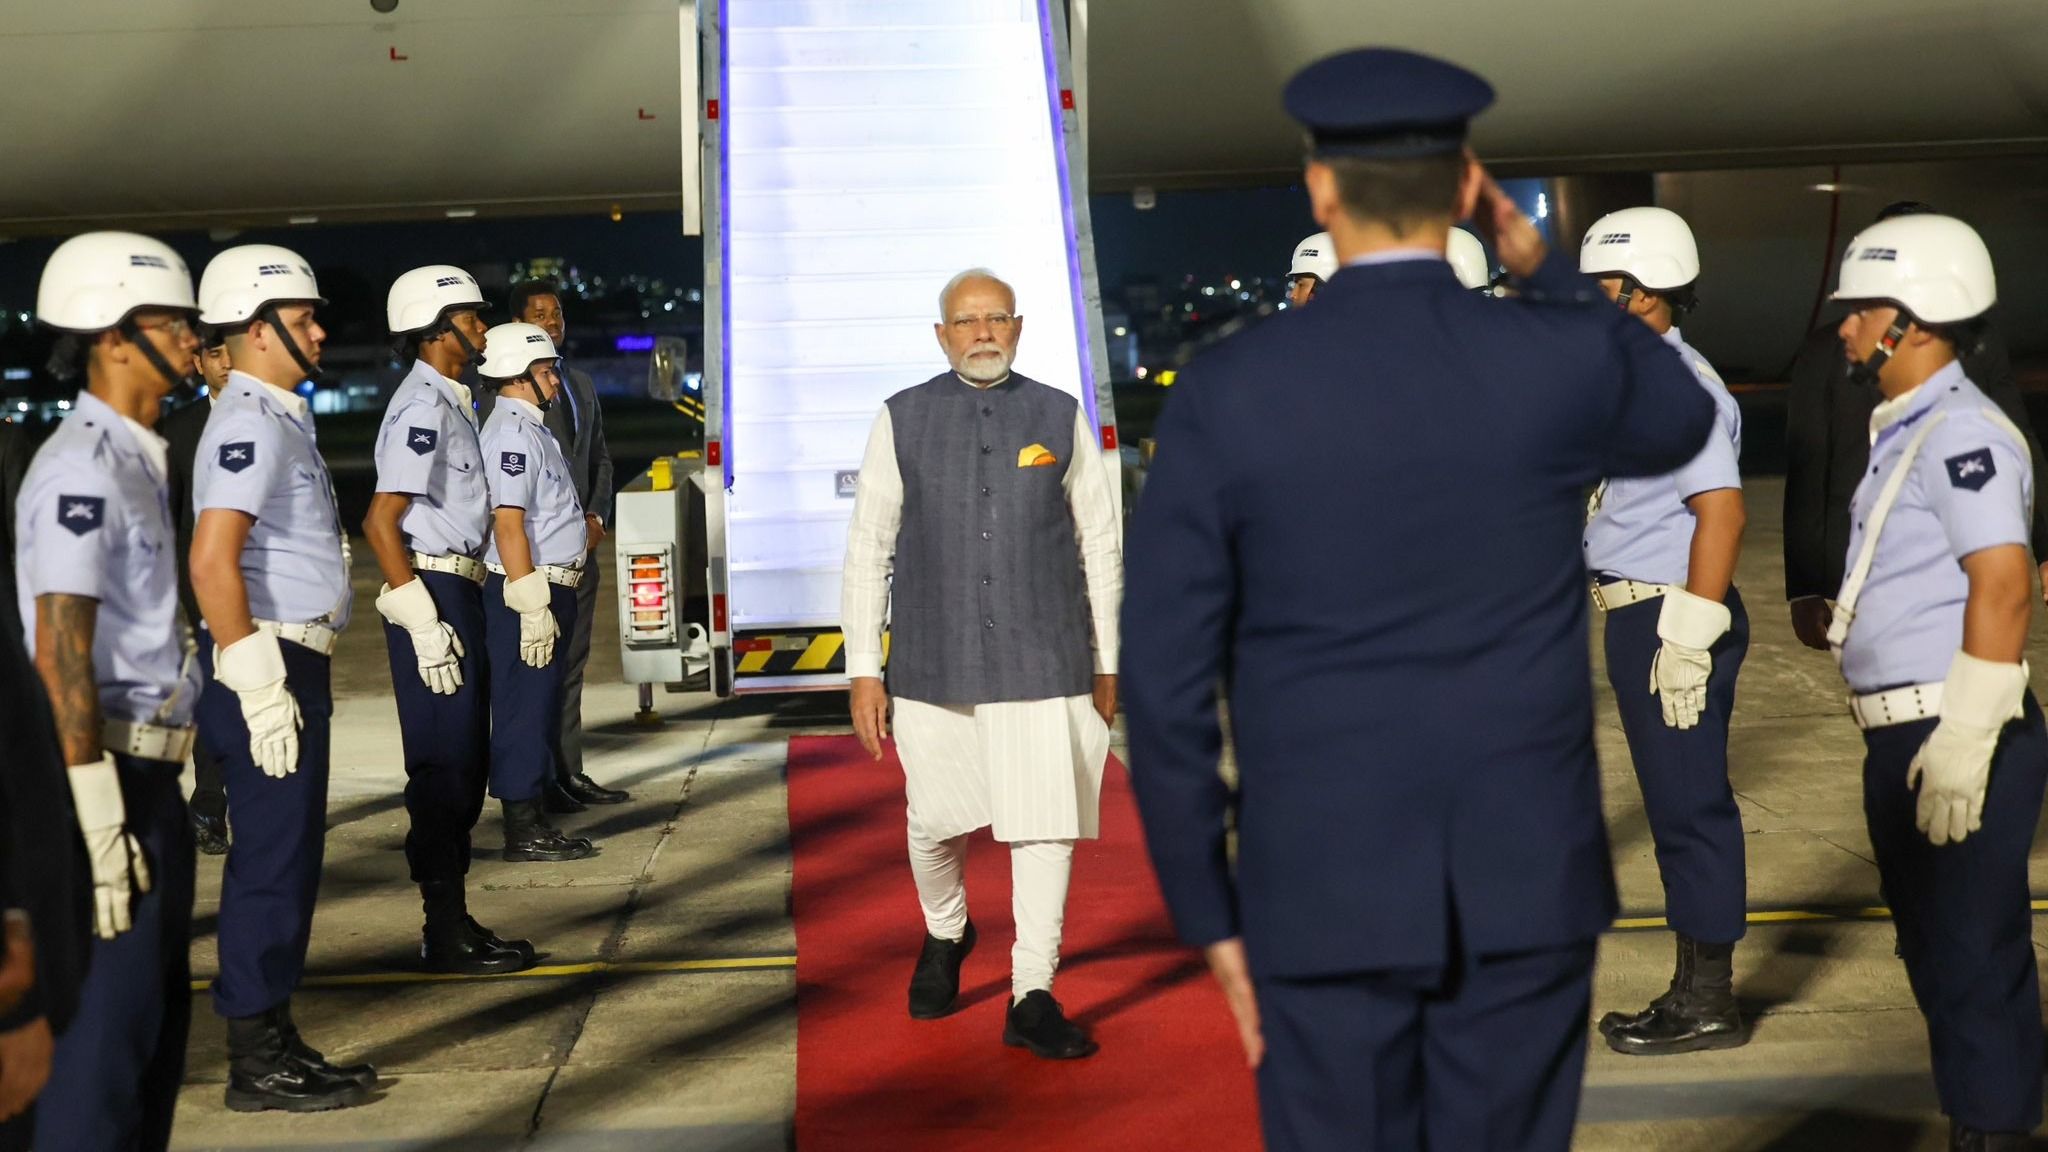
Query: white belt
{"points": [[318, 637], [552, 573], [147, 741], [1622, 593], [463, 566], [1898, 706]]}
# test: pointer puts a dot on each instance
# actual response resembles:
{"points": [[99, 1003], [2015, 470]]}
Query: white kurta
{"points": [[1032, 769]]}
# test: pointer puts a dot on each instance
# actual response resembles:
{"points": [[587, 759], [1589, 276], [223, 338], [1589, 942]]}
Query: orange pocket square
{"points": [[1036, 456]]}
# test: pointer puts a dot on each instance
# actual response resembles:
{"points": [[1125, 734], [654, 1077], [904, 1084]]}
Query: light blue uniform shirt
{"points": [[527, 471], [258, 456], [1970, 489], [93, 519], [427, 448], [1643, 530]]}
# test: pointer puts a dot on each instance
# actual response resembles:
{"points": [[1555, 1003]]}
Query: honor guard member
{"points": [[99, 594], [535, 558], [1661, 551], [1930, 626], [427, 525], [270, 569], [1313, 265], [1422, 870], [1468, 260], [181, 427]]}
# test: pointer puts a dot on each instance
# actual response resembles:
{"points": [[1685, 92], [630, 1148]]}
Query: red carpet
{"points": [[1170, 1074]]}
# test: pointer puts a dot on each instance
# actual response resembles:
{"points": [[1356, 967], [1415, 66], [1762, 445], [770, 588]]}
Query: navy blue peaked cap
{"points": [[1385, 103]]}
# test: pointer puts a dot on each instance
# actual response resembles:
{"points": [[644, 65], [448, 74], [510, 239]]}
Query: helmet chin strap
{"points": [[312, 371], [181, 386], [1866, 372], [469, 351]]}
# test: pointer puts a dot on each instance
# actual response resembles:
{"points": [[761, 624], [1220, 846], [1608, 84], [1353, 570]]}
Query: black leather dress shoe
{"points": [[529, 836], [589, 791], [210, 834], [935, 983], [1037, 1024], [1966, 1139], [558, 802]]}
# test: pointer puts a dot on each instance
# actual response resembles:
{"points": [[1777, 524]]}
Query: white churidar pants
{"points": [[1032, 770]]}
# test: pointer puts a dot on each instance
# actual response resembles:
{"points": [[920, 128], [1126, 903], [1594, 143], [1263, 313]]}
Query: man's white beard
{"points": [[979, 368]]}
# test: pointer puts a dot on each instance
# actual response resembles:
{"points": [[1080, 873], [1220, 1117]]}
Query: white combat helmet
{"points": [[511, 350], [94, 281], [1468, 259], [1652, 247], [421, 297], [241, 282], [1935, 268], [1315, 256]]}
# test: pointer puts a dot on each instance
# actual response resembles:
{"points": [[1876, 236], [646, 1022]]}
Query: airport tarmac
{"points": [[664, 1017]]}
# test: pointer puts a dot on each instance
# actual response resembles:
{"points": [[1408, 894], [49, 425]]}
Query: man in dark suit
{"points": [[1363, 524], [1827, 450], [181, 429], [578, 426]]}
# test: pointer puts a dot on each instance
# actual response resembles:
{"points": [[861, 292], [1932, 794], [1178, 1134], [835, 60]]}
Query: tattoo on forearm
{"points": [[64, 634]]}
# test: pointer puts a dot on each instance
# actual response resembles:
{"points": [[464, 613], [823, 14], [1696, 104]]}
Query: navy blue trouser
{"points": [[114, 1079], [273, 863], [1684, 774], [447, 738], [526, 702], [1484, 1057], [1965, 922]]}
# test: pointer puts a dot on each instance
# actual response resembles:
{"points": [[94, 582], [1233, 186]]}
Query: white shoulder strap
{"points": [[1852, 585]]}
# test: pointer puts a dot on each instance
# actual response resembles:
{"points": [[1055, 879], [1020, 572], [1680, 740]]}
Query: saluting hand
{"points": [[870, 702], [1513, 235]]}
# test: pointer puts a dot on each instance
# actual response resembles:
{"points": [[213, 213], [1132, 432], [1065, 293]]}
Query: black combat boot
{"points": [[295, 1046], [935, 983], [264, 1076], [448, 943], [529, 836], [1037, 1024], [209, 832], [1697, 1014]]}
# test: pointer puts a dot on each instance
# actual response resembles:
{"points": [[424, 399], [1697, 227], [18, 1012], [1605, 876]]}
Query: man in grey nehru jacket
{"points": [[983, 494]]}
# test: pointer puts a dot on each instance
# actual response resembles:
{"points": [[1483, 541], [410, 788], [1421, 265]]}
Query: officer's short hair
{"points": [[524, 292], [1400, 193]]}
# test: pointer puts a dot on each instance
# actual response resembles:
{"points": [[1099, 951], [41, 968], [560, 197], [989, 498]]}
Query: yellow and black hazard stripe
{"points": [[790, 653]]}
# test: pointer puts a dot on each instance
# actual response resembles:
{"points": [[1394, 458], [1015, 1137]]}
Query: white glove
{"points": [[1976, 701], [1689, 626], [435, 646], [118, 868], [529, 596], [253, 668]]}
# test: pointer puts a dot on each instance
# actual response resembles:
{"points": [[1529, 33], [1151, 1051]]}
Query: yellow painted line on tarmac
{"points": [[1789, 916], [546, 972]]}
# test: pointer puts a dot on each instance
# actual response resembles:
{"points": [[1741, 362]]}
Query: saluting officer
{"points": [[270, 570], [99, 592], [1930, 627], [535, 558], [1422, 870], [427, 525], [1661, 551]]}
